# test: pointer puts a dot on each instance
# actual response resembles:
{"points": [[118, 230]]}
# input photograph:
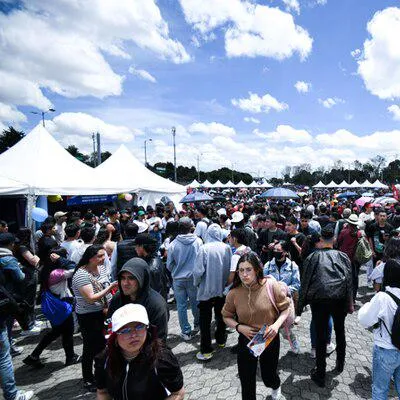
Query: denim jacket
{"points": [[289, 273]]}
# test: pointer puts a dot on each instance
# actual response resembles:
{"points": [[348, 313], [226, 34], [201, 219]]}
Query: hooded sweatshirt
{"points": [[182, 255], [154, 303], [212, 265]]}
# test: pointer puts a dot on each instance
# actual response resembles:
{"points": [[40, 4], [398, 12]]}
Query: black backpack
{"points": [[395, 332]]}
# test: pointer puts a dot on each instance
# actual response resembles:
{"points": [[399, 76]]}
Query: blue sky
{"points": [[254, 84]]}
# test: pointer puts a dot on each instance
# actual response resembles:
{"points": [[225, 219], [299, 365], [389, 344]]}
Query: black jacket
{"points": [[158, 277], [154, 303], [326, 277]]}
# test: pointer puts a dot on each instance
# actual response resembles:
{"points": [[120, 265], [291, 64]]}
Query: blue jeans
{"points": [[184, 290], [385, 364], [6, 368], [313, 333]]}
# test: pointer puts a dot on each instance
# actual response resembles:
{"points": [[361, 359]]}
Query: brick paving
{"points": [[217, 378]]}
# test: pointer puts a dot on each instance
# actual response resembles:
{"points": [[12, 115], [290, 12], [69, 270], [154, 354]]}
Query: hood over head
{"points": [[140, 270], [187, 239], [214, 233]]}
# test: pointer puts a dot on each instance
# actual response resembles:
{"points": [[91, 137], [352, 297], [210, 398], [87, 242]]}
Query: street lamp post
{"points": [[173, 131], [145, 151], [42, 113], [198, 166]]}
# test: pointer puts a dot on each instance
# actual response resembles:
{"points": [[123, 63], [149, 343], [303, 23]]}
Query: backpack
{"points": [[363, 251], [395, 332]]}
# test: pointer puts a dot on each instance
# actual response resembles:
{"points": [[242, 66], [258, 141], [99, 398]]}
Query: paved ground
{"points": [[217, 379]]}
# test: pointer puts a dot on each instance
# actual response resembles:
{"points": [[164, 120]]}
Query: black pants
{"points": [[66, 331], [320, 314], [355, 269], [205, 308], [247, 367], [92, 325]]}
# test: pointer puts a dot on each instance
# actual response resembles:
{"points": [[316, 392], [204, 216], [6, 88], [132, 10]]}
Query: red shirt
{"points": [[347, 241]]}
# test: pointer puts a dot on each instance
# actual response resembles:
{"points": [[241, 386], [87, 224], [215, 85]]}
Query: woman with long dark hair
{"points": [[135, 364], [248, 308], [91, 286], [54, 278]]}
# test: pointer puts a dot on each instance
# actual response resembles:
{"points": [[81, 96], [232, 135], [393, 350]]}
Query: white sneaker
{"points": [[186, 336], [330, 348], [297, 320], [313, 353], [276, 394], [21, 395], [204, 356], [32, 332]]}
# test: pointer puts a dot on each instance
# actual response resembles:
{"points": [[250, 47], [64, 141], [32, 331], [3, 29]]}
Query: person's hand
{"points": [[113, 285], [271, 331], [293, 240], [378, 262], [271, 246], [247, 331], [54, 257]]}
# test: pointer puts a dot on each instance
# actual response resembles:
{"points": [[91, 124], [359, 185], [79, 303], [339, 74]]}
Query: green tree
{"points": [[74, 151], [9, 137]]}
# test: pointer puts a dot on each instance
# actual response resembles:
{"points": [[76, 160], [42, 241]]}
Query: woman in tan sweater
{"points": [[247, 308]]}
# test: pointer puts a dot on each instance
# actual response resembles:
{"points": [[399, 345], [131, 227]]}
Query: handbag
{"points": [[55, 309]]}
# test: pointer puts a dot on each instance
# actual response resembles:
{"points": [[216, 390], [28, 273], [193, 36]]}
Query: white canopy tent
{"points": [[149, 186], [355, 184], [218, 184], [265, 184], [379, 185], [229, 184], [366, 184], [193, 185], [319, 185], [331, 185], [207, 184], [344, 184], [10, 186], [241, 184]]}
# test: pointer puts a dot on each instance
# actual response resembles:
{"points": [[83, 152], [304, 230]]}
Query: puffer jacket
{"points": [[326, 277]]}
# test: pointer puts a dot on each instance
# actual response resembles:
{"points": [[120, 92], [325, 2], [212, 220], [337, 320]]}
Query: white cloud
{"points": [[60, 46], [143, 74], [302, 87], [356, 54], [394, 109], [212, 128], [11, 115], [256, 104], [348, 117], [285, 133], [321, 2], [292, 5], [251, 30], [251, 119], [379, 65], [330, 102], [180, 131], [78, 127]]}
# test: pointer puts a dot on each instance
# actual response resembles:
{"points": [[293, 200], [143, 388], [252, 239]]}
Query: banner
{"points": [[82, 200]]}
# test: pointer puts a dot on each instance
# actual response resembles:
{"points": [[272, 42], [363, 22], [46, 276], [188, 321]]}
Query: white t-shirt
{"points": [[71, 246], [235, 258], [154, 222]]}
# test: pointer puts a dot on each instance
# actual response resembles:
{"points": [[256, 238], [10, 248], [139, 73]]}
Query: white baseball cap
{"points": [[129, 313], [221, 211], [143, 227], [237, 216]]}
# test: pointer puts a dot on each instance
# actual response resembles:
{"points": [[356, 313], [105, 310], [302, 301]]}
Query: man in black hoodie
{"points": [[134, 287]]}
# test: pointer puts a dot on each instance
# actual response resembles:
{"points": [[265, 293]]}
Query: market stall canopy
{"points": [[355, 184], [44, 167], [265, 184], [241, 184], [253, 184], [319, 185], [366, 184], [344, 184], [193, 185], [331, 184], [218, 184], [125, 169], [196, 197], [207, 184], [10, 186], [229, 184], [379, 185]]}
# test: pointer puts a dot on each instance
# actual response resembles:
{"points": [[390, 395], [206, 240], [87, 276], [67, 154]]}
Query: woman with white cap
{"points": [[135, 364]]}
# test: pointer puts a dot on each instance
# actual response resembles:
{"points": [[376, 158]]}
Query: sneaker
{"points": [[330, 348], [32, 332], [195, 330], [317, 379], [297, 320], [16, 350], [276, 394], [186, 336], [76, 359], [21, 395], [221, 345], [295, 347], [89, 387], [40, 324], [313, 353], [33, 362], [204, 356]]}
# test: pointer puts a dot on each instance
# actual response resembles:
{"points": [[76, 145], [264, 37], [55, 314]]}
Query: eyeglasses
{"points": [[139, 329]]}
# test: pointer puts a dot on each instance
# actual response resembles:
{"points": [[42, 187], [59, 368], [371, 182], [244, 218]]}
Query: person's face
{"points": [[129, 284], [132, 336], [289, 227], [279, 254], [3, 228], [382, 218], [232, 241], [140, 251], [368, 209], [267, 224], [246, 273], [304, 223], [99, 258]]}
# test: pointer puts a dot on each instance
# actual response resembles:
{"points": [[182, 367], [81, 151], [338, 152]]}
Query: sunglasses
{"points": [[139, 328]]}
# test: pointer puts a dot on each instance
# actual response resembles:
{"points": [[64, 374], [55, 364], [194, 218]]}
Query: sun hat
{"points": [[353, 219], [237, 216], [129, 313], [142, 226]]}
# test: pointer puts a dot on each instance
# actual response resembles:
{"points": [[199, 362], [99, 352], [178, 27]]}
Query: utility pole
{"points": [[98, 149], [145, 151], [173, 131], [198, 168], [94, 149]]}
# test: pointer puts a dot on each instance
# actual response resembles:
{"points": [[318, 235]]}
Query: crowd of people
{"points": [[257, 265]]}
